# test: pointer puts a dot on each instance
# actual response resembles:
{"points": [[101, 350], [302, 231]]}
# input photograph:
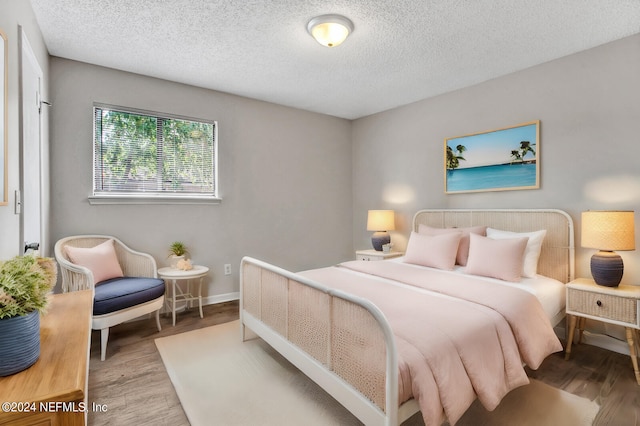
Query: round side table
{"points": [[197, 272]]}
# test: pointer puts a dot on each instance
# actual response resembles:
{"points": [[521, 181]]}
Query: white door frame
{"points": [[32, 224]]}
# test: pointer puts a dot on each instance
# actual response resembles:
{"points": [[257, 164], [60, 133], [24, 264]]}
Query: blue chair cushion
{"points": [[120, 293]]}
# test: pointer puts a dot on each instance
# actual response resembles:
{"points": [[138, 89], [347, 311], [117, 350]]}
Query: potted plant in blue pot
{"points": [[25, 282]]}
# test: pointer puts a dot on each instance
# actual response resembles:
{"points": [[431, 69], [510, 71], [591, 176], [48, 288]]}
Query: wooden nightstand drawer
{"points": [[600, 305]]}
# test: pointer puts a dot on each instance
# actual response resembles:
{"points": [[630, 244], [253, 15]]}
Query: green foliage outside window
{"points": [[140, 153]]}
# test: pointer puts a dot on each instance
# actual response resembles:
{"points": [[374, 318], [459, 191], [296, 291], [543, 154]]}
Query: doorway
{"points": [[31, 144]]}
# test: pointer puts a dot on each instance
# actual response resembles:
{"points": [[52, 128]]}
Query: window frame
{"points": [[98, 197]]}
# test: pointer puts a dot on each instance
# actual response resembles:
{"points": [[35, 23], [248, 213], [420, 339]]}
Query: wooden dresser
{"points": [[53, 391]]}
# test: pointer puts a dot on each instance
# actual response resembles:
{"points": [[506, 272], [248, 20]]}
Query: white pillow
{"points": [[436, 251], [532, 252]]}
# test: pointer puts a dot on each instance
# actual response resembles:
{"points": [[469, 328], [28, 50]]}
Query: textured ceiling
{"points": [[400, 51]]}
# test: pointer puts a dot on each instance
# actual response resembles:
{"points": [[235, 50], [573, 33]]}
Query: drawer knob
{"points": [[599, 303]]}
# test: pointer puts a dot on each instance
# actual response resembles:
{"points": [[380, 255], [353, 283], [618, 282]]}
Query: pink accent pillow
{"points": [[101, 260], [463, 248], [531, 254], [436, 251], [500, 259]]}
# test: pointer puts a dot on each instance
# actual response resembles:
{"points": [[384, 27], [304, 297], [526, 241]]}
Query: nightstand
{"points": [[377, 255], [614, 305]]}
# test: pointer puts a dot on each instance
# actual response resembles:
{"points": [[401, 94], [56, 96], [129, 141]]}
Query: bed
{"points": [[379, 336]]}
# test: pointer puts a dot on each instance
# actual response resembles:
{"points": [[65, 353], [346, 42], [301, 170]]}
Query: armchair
{"points": [[132, 290]]}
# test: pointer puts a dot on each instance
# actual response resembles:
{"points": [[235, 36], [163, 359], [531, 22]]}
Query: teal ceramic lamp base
{"points": [[607, 268], [379, 239]]}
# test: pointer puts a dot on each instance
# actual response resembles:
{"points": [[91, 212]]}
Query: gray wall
{"points": [[297, 185], [12, 15], [590, 125], [284, 175]]}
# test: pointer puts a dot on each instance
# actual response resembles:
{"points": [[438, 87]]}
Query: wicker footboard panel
{"points": [[342, 342]]}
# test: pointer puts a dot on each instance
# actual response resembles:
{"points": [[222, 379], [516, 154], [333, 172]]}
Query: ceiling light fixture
{"points": [[330, 30]]}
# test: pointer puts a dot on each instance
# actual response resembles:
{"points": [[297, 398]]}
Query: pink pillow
{"points": [[463, 248], [436, 251], [531, 254], [500, 259], [101, 260]]}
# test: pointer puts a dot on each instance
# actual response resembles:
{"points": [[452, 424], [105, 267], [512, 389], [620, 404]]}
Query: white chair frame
{"points": [[133, 264]]}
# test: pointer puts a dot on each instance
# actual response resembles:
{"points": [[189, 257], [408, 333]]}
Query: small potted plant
{"points": [[177, 252], [25, 282]]}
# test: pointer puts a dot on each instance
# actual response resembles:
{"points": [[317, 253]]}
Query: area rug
{"points": [[222, 381]]}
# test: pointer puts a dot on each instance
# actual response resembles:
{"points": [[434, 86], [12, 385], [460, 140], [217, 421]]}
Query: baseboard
{"points": [[221, 298], [605, 342], [208, 300], [600, 340]]}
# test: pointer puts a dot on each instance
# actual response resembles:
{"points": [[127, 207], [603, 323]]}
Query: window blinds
{"points": [[143, 153]]}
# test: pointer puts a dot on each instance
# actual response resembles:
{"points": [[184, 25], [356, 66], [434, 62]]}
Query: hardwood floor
{"points": [[134, 387], [132, 382], [600, 375]]}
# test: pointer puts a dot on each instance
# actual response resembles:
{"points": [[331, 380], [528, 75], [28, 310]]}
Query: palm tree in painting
{"points": [[525, 148], [453, 158], [519, 154], [516, 156]]}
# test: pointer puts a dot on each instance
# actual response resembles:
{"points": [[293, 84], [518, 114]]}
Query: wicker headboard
{"points": [[558, 251]]}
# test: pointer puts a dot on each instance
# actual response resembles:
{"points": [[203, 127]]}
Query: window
{"points": [[143, 155]]}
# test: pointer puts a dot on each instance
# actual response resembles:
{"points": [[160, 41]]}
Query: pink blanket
{"points": [[460, 339]]}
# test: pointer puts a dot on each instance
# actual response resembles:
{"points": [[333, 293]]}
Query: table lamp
{"points": [[380, 221], [608, 231]]}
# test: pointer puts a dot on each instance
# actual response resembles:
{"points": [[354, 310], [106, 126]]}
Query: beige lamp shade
{"points": [[608, 230], [381, 220]]}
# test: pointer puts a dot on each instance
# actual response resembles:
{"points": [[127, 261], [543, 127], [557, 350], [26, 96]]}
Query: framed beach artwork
{"points": [[497, 160]]}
